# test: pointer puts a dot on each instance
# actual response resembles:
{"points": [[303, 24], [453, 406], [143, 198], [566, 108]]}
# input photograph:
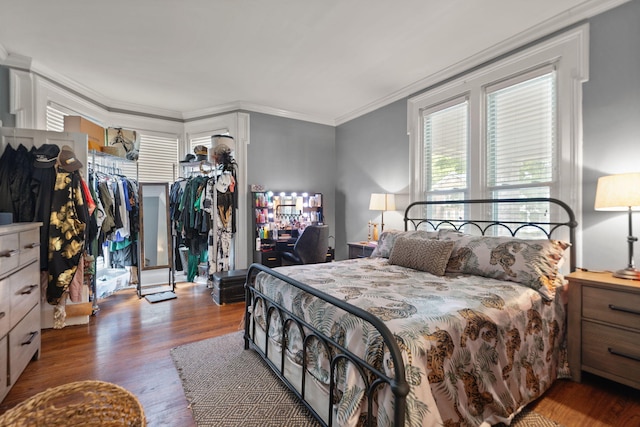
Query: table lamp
{"points": [[382, 202], [621, 193]]}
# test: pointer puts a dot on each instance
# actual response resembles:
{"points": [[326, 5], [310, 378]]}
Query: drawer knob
{"points": [[27, 290], [32, 336], [621, 354], [9, 254], [624, 309], [2, 314], [33, 245]]}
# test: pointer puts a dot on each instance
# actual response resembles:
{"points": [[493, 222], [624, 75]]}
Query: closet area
{"points": [[43, 182], [101, 230], [87, 211]]}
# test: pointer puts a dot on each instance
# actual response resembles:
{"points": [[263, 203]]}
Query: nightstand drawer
{"points": [[610, 350], [619, 308]]}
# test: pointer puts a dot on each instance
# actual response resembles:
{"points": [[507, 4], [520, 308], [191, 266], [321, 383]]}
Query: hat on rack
{"points": [[46, 156], [188, 158], [201, 152], [67, 159]]}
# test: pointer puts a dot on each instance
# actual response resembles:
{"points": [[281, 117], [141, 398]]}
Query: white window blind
{"points": [[521, 133], [446, 145], [201, 140], [521, 145], [158, 158], [55, 117], [446, 142]]}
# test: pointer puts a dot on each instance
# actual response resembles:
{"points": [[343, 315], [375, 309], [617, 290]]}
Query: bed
{"points": [[450, 322]]}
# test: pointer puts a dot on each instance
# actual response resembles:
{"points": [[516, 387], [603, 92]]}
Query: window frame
{"points": [[568, 54]]}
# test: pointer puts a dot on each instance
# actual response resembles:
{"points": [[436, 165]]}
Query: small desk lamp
{"points": [[382, 202], [621, 193]]}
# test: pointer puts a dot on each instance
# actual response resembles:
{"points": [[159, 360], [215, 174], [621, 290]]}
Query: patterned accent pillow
{"points": [[428, 255], [533, 263], [388, 238]]}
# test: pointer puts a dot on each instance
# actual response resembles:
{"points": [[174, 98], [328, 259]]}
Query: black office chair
{"points": [[310, 248]]}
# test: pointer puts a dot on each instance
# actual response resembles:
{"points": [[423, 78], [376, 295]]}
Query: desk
{"points": [[360, 249]]}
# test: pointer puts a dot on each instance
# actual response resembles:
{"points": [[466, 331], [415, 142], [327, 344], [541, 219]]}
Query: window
{"points": [[496, 133], [446, 140], [158, 157], [158, 153]]}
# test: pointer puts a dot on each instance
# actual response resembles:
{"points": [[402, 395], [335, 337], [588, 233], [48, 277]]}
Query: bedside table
{"points": [[604, 327], [360, 249]]}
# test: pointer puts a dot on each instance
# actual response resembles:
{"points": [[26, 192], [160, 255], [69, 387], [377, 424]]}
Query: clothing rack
{"points": [[109, 165]]}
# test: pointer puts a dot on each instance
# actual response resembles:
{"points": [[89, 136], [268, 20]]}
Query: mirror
{"points": [[155, 234]]}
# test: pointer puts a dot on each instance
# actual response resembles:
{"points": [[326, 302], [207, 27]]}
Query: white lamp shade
{"points": [[382, 202], [618, 192]]}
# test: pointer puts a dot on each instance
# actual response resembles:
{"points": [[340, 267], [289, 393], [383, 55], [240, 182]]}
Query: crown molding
{"points": [[557, 23], [256, 108], [3, 53], [13, 60]]}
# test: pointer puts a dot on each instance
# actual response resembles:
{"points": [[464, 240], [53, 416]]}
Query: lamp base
{"points": [[628, 273]]}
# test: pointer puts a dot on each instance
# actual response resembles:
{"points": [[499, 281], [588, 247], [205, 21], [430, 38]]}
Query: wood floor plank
{"points": [[128, 342]]}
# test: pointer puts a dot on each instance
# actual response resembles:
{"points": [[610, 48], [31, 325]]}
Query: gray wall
{"points": [[293, 155], [8, 120], [372, 157], [611, 105], [373, 150]]}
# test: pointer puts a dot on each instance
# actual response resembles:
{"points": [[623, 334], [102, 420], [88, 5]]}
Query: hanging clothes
{"points": [[222, 204], [67, 226], [43, 181], [118, 223], [16, 168]]}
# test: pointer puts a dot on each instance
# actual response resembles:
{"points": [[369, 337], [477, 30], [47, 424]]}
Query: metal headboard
{"points": [[417, 214]]}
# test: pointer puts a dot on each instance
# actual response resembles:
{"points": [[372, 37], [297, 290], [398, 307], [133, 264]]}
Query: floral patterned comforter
{"points": [[476, 350]]}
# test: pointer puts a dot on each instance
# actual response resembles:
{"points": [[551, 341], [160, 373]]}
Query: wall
{"points": [[293, 155], [373, 149], [372, 155], [7, 119], [611, 101]]}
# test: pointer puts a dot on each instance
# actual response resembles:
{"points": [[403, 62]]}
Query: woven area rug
{"points": [[227, 386]]}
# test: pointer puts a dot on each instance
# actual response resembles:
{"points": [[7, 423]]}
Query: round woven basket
{"points": [[81, 403]]}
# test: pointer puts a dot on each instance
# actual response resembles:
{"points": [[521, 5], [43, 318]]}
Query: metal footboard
{"points": [[373, 377]]}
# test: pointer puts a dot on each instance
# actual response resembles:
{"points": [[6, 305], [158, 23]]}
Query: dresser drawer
{"points": [[4, 361], [9, 252], [5, 306], [611, 350], [616, 307], [25, 291], [24, 342], [29, 246]]}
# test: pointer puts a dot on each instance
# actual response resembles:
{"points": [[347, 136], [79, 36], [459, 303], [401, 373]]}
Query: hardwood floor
{"points": [[129, 339], [128, 343]]}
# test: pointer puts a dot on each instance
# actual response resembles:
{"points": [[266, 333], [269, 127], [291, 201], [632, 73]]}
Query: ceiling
{"points": [[321, 60]]}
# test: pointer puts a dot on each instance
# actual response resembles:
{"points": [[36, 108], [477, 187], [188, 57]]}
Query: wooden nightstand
{"points": [[360, 249], [604, 327]]}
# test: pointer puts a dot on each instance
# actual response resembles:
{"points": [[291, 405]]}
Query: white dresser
{"points": [[19, 300]]}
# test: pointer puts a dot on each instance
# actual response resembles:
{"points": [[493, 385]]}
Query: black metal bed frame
{"points": [[374, 378]]}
